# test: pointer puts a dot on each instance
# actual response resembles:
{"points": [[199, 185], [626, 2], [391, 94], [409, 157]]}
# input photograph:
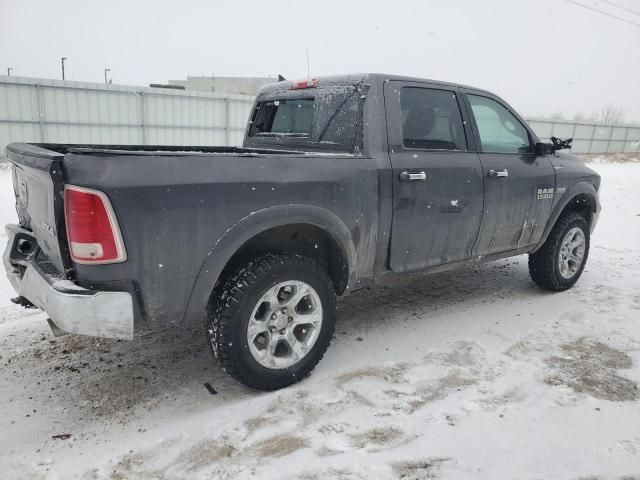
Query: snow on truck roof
{"points": [[354, 78]]}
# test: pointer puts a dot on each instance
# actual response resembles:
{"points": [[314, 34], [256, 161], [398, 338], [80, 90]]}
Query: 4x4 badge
{"points": [[49, 229]]}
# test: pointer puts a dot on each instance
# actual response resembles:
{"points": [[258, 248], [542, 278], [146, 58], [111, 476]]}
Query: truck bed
{"points": [[183, 211]]}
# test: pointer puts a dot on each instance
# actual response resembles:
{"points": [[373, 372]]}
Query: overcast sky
{"points": [[542, 56]]}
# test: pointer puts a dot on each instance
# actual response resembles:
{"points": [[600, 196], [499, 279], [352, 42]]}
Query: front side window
{"points": [[431, 119], [326, 117], [499, 130]]}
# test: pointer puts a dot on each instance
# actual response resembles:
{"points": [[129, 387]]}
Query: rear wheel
{"points": [[558, 264], [271, 322]]}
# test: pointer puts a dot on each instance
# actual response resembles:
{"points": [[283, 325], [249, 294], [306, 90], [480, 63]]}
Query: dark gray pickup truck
{"points": [[339, 181]]}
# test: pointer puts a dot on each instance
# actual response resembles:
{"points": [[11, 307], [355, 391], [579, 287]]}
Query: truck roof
{"points": [[353, 78]]}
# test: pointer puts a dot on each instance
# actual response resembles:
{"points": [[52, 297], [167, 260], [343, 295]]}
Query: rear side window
{"points": [[326, 117], [499, 130], [431, 119]]}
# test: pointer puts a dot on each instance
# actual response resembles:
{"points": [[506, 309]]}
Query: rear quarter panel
{"points": [[174, 209]]}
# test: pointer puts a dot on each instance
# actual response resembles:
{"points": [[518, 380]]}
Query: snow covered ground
{"points": [[469, 374]]}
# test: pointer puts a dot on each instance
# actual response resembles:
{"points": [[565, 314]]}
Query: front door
{"points": [[519, 185], [437, 177]]}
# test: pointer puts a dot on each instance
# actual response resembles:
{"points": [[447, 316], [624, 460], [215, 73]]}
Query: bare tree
{"points": [[611, 114]]}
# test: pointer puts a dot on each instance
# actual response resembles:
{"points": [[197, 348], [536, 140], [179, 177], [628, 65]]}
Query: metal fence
{"points": [[41, 110], [596, 138]]}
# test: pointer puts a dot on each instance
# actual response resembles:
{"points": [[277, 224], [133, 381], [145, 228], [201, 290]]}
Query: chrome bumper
{"points": [[71, 308]]}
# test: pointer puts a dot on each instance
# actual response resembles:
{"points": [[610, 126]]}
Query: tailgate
{"points": [[39, 186]]}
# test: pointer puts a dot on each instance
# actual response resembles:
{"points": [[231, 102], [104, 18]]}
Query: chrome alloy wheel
{"points": [[284, 324], [571, 253]]}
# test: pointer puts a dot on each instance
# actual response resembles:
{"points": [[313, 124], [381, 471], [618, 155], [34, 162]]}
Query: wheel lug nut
{"points": [[290, 319]]}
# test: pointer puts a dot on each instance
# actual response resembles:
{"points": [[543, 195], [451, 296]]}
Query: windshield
{"points": [[324, 117]]}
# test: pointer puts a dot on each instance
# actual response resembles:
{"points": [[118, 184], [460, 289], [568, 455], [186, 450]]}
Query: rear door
{"points": [[519, 184], [437, 177]]}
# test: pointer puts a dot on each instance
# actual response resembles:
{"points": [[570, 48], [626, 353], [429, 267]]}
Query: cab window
{"points": [[431, 119], [499, 130], [325, 117], [291, 117]]}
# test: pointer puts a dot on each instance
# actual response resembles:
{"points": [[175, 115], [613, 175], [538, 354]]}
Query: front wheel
{"points": [[558, 264], [271, 322]]}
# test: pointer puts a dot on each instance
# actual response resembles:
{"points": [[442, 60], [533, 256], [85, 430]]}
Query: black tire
{"points": [[544, 264], [231, 307]]}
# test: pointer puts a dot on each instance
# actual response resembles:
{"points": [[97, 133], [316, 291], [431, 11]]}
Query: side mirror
{"points": [[543, 148], [559, 144]]}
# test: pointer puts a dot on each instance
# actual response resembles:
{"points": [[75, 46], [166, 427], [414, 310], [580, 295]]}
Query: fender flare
{"points": [[255, 223], [579, 188]]}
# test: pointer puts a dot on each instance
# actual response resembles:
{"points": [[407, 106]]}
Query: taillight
{"points": [[92, 228], [311, 83]]}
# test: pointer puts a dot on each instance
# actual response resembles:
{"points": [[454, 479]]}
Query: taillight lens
{"points": [[92, 228]]}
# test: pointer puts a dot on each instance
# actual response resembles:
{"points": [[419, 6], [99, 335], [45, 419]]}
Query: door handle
{"points": [[498, 173], [412, 176]]}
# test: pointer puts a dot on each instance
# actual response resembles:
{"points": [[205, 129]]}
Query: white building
{"points": [[240, 85]]}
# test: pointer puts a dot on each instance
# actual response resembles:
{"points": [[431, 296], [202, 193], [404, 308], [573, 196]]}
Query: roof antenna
{"points": [[308, 68], [281, 78]]}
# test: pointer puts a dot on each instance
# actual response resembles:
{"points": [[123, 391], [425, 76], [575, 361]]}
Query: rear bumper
{"points": [[72, 309]]}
